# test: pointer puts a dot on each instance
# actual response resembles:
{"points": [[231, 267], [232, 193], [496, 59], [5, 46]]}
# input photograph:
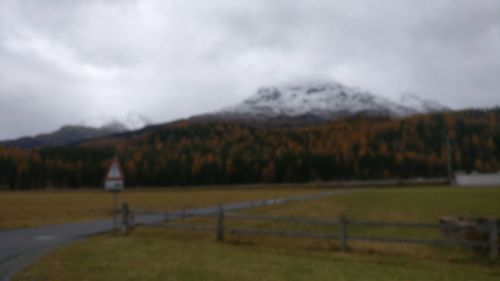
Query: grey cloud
{"points": [[66, 61]]}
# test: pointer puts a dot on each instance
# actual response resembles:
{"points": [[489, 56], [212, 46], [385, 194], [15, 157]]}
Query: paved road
{"points": [[20, 247]]}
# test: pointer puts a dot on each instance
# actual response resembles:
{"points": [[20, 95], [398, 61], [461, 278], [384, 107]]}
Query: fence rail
{"points": [[294, 220], [342, 235], [266, 232]]}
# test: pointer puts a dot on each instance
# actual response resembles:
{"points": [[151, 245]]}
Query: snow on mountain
{"points": [[323, 101], [130, 121], [421, 105]]}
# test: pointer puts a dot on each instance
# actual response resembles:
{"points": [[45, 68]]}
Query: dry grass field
{"points": [[35, 208]]}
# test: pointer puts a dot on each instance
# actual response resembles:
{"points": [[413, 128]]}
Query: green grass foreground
{"points": [[154, 254], [408, 204], [161, 254]]}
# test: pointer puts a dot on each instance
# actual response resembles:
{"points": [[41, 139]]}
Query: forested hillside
{"points": [[186, 153]]}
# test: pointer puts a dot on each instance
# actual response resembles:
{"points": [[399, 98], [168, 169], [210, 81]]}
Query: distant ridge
{"points": [[66, 135], [96, 127]]}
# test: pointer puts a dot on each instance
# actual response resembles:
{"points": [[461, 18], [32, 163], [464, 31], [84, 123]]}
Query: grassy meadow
{"points": [[413, 205], [36, 208], [155, 254], [162, 254], [418, 204]]}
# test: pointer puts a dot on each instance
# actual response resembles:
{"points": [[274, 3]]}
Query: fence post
{"points": [[493, 235], [220, 224], [125, 218], [343, 232]]}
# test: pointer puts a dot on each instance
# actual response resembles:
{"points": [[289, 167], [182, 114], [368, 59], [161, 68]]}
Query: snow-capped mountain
{"points": [[322, 101]]}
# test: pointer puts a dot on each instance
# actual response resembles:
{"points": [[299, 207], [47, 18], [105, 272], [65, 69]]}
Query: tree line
{"points": [[211, 153]]}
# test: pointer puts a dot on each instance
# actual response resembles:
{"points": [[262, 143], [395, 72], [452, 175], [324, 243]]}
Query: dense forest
{"points": [[205, 153]]}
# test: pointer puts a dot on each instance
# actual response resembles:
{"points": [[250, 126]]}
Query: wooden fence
{"points": [[220, 228]]}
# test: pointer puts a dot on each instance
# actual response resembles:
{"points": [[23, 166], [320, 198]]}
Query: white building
{"points": [[476, 179]]}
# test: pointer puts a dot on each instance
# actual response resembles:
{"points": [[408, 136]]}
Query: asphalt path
{"points": [[21, 247]]}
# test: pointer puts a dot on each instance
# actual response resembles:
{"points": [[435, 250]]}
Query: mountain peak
{"points": [[323, 101]]}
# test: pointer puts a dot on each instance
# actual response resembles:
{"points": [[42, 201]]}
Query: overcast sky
{"points": [[64, 62]]}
